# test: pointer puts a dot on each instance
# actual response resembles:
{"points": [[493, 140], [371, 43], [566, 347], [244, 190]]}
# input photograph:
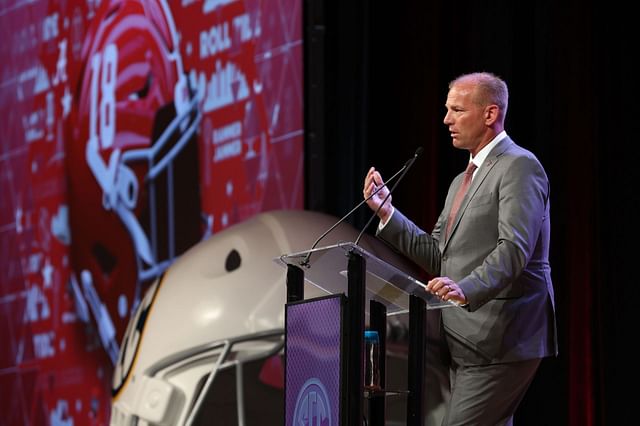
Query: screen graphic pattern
{"points": [[87, 94]]}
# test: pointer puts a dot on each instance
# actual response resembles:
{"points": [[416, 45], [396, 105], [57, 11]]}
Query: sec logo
{"points": [[312, 405]]}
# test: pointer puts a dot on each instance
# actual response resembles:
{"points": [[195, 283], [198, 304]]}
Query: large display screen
{"points": [[130, 130]]}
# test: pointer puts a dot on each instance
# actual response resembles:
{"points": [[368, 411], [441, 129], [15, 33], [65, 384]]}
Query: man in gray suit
{"points": [[489, 252]]}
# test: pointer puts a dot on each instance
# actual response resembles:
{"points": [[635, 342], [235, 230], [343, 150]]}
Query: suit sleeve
{"points": [[414, 243]]}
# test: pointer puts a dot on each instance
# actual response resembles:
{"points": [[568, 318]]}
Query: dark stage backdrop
{"points": [[380, 75]]}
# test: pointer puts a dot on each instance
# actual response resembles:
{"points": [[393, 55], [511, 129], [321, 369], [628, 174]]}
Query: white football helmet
{"points": [[212, 327]]}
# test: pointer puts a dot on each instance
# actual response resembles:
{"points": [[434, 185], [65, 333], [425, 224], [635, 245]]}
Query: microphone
{"points": [[403, 170]]}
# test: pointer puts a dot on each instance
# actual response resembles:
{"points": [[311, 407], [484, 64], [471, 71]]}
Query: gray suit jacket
{"points": [[498, 254]]}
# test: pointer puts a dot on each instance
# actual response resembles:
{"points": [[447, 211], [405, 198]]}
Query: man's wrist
{"points": [[384, 215]]}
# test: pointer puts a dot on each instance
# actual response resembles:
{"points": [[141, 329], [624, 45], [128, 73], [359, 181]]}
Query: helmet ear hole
{"points": [[131, 193], [233, 261], [104, 257]]}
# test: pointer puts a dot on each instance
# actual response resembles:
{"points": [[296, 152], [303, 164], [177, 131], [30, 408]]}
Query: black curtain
{"points": [[573, 102]]}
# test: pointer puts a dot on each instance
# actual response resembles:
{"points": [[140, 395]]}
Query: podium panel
{"points": [[325, 336], [326, 268], [313, 353]]}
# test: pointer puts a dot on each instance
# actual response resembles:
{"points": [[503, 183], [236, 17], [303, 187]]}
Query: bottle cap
{"points": [[371, 336]]}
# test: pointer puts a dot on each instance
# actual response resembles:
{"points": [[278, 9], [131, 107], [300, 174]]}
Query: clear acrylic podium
{"points": [[367, 287]]}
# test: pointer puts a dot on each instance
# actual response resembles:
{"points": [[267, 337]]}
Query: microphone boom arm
{"points": [[404, 170], [305, 261]]}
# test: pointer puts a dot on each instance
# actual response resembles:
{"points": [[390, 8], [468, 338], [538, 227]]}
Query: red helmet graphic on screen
{"points": [[132, 162]]}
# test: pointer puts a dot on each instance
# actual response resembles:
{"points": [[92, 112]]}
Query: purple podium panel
{"points": [[313, 361]]}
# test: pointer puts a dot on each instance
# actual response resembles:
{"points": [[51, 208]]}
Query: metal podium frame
{"points": [[388, 291]]}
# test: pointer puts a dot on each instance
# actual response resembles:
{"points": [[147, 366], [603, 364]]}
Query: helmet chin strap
{"points": [[119, 193], [140, 240]]}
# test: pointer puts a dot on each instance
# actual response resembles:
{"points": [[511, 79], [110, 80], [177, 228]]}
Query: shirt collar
{"points": [[484, 152]]}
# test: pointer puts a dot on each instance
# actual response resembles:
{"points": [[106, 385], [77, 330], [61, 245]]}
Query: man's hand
{"points": [[446, 289], [372, 182]]}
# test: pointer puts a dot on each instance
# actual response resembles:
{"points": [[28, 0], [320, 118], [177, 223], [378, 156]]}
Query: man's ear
{"points": [[491, 113]]}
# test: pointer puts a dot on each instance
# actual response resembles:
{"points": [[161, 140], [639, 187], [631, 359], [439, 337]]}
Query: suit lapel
{"points": [[481, 174]]}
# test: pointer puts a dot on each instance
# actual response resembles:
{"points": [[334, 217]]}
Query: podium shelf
{"points": [[326, 268]]}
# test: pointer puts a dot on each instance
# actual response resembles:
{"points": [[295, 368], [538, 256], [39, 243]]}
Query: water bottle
{"points": [[372, 360]]}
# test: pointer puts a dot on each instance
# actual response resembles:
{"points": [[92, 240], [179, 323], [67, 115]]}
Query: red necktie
{"points": [[466, 181]]}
